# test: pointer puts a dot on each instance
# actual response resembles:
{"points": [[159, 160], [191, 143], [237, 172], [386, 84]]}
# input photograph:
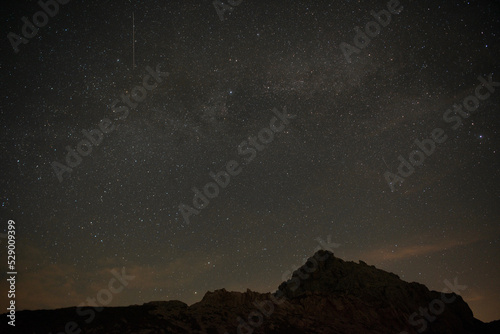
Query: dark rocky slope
{"points": [[325, 295]]}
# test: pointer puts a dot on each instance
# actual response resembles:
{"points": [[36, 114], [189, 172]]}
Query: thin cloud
{"points": [[45, 285], [400, 253]]}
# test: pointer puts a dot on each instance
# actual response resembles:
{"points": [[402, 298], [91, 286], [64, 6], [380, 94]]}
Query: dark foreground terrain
{"points": [[325, 295]]}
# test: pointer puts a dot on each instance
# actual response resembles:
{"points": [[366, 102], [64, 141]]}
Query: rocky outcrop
{"points": [[325, 295]]}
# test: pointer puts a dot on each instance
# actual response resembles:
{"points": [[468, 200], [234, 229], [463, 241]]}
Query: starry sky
{"points": [[321, 176]]}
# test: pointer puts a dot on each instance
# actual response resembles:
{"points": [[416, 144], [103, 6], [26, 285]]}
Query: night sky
{"points": [[214, 101]]}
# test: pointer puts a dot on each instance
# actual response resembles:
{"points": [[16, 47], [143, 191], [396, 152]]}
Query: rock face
{"points": [[325, 295]]}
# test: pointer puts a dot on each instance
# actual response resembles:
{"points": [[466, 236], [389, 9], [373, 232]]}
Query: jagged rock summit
{"points": [[325, 295]]}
